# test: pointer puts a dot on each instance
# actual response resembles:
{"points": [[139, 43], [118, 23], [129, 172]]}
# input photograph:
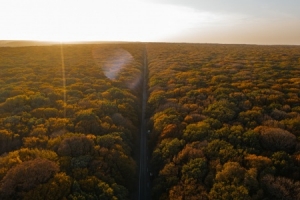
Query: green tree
{"points": [[195, 169], [87, 122], [196, 132], [283, 163], [231, 182], [222, 110], [225, 191], [220, 149]]}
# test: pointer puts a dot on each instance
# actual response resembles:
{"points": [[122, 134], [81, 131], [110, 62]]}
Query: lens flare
{"points": [[135, 81], [115, 63]]}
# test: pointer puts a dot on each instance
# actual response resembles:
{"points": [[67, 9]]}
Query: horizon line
{"points": [[30, 42]]}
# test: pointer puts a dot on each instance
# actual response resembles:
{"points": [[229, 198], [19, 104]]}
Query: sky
{"points": [[196, 21]]}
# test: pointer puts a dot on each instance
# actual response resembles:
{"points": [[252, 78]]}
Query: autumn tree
{"points": [[276, 138], [16, 181]]}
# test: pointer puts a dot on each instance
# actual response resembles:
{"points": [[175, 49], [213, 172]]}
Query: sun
{"points": [[67, 21]]}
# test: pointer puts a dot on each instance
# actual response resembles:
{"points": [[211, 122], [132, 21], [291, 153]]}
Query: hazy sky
{"points": [[203, 21]]}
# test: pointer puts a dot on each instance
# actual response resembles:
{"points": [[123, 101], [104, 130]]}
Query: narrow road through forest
{"points": [[143, 174]]}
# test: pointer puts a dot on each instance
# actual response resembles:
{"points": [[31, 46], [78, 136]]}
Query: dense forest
{"points": [[224, 121], [69, 121]]}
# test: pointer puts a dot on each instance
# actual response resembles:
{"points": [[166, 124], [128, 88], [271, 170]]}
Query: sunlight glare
{"points": [[114, 64], [90, 20]]}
